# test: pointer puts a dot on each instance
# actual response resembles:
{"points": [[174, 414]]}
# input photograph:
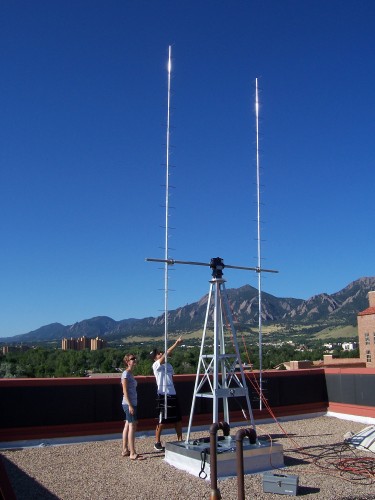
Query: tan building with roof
{"points": [[366, 332]]}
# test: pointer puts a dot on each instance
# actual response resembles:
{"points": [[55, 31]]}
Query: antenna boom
{"points": [[173, 261]]}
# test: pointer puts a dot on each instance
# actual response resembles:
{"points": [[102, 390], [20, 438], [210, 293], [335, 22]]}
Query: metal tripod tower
{"points": [[220, 376], [221, 379]]}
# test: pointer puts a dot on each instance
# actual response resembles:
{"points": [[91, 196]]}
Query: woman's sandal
{"points": [[125, 454], [138, 457]]}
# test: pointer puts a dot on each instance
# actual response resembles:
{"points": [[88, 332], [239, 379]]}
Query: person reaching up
{"points": [[166, 391]]}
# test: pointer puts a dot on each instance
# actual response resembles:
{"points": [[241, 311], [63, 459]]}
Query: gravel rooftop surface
{"points": [[314, 450]]}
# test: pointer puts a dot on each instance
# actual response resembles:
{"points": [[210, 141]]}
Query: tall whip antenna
{"points": [[166, 243], [259, 249]]}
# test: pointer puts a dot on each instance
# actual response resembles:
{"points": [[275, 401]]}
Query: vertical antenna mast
{"points": [[166, 243], [259, 248]]}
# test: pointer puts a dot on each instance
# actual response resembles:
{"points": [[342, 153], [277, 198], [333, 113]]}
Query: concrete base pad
{"points": [[194, 457]]}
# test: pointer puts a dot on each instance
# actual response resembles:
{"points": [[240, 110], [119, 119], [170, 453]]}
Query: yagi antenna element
{"points": [[260, 332], [166, 241]]}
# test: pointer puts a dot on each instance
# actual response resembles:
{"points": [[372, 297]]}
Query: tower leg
{"points": [[200, 363], [243, 378]]}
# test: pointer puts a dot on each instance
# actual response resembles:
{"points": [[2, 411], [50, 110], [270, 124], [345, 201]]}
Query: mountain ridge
{"points": [[337, 309]]}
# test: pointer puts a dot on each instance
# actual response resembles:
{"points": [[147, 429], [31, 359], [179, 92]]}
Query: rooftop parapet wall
{"points": [[88, 406], [351, 391], [329, 361], [82, 406]]}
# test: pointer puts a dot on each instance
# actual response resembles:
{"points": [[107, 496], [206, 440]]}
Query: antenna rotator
{"points": [[217, 265]]}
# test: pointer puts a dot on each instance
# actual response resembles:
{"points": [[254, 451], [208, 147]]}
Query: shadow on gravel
{"points": [[291, 461], [23, 485], [266, 437], [152, 455], [306, 490]]}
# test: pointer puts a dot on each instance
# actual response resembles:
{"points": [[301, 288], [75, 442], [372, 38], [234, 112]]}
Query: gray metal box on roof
{"points": [[280, 483]]}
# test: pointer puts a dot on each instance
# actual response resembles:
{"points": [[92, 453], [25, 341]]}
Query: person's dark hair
{"points": [[153, 353]]}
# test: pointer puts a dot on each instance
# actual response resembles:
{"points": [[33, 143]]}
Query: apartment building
{"points": [[82, 343], [97, 344]]}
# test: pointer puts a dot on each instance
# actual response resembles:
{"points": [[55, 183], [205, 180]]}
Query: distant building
{"points": [[82, 343], [7, 348], [330, 362], [348, 346], [69, 344], [97, 344], [366, 332]]}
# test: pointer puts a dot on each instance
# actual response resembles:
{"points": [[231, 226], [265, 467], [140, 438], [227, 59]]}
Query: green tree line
{"points": [[42, 362]]}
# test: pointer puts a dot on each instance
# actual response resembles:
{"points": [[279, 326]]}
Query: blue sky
{"points": [[82, 150]]}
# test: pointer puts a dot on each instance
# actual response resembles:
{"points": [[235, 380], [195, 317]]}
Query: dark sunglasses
{"points": [[133, 359]]}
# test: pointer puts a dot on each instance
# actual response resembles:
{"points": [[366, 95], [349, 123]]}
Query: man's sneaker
{"points": [[159, 447]]}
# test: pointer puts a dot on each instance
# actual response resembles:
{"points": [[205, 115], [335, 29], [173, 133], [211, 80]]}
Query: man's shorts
{"points": [[128, 416], [173, 409]]}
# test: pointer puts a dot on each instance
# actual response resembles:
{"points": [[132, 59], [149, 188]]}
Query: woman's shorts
{"points": [[128, 417], [173, 409]]}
